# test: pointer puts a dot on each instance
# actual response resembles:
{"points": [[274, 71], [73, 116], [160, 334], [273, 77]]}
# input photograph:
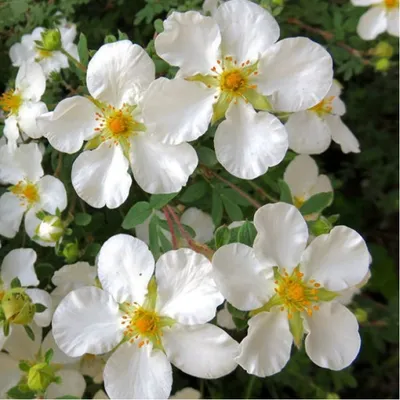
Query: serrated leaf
{"points": [[296, 328], [137, 214], [194, 192], [217, 208], [158, 201], [233, 210], [82, 219], [39, 308], [15, 283], [317, 203], [206, 156], [285, 193], [83, 50], [29, 332], [247, 233], [222, 236]]}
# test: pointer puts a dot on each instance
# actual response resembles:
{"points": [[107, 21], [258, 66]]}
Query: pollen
{"points": [[10, 101], [391, 3], [232, 81], [26, 191], [117, 124]]}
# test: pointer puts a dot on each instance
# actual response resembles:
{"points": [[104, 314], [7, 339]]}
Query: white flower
{"points": [[229, 65], [154, 322], [211, 6], [186, 393], [31, 192], [117, 77], [198, 220], [383, 16], [289, 287], [22, 104], [18, 304], [311, 131], [301, 175], [28, 51], [224, 318], [346, 296], [21, 348]]}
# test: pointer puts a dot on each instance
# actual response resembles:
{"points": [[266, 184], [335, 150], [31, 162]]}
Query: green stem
{"points": [[249, 387], [74, 60], [262, 192]]}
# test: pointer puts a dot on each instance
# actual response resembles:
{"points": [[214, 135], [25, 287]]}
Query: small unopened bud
{"points": [[383, 49], [321, 226], [51, 40], [51, 229], [382, 65], [71, 252], [18, 307], [40, 376]]}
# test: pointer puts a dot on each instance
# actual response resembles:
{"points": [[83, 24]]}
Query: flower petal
{"points": [[11, 213], [11, 131], [125, 265], [308, 133], [17, 53], [365, 2], [266, 348], [186, 291], [10, 374], [247, 30], [204, 351], [296, 73], [240, 277], [142, 230], [31, 223], [161, 168], [186, 393], [282, 235], [200, 222], [247, 143], [301, 175], [393, 22], [100, 176], [224, 318], [185, 118], [119, 72], [27, 114], [337, 260], [52, 194], [189, 41], [323, 185], [72, 121], [333, 341], [20, 346], [41, 297], [342, 135], [149, 372], [87, 320], [372, 23], [72, 384], [19, 263], [30, 81], [59, 357]]}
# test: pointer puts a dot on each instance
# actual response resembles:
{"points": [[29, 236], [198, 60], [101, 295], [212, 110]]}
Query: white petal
{"points": [[100, 176], [52, 194], [266, 348], [72, 121], [31, 224], [186, 393], [142, 230], [186, 291], [118, 72], [342, 135], [72, 384], [161, 168], [18, 53], [240, 277], [393, 22], [338, 107], [301, 175], [372, 23], [42, 297], [125, 266], [204, 351], [247, 30], [88, 320], [11, 131], [333, 341], [337, 260], [189, 41], [183, 119], [282, 235], [247, 143], [27, 114], [224, 319], [11, 212], [68, 31], [149, 372], [346, 296], [30, 81], [296, 73], [308, 133], [59, 357], [19, 263], [20, 346], [365, 2], [10, 374], [93, 366], [25, 162], [200, 222], [323, 185]]}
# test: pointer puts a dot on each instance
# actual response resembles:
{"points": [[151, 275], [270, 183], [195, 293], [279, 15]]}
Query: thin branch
{"points": [[59, 165], [171, 228], [262, 192]]}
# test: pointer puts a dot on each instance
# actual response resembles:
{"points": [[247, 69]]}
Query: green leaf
{"points": [[217, 208], [68, 396], [286, 195], [166, 245], [158, 25], [247, 233], [16, 393], [194, 192], [40, 215], [40, 308], [29, 332], [206, 156], [235, 312], [222, 236], [15, 283], [19, 7], [24, 366], [110, 39], [6, 328], [48, 356], [297, 329], [137, 214], [234, 197], [158, 201], [317, 203], [82, 219], [241, 324], [122, 35], [83, 50], [93, 249], [233, 210], [153, 237]]}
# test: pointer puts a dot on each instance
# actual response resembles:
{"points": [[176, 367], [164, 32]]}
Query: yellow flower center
{"points": [[41, 54], [26, 191], [118, 124], [298, 201], [10, 101], [324, 106], [232, 80], [391, 3]]}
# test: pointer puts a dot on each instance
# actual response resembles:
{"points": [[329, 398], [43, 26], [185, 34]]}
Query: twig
{"points": [[171, 228], [262, 192], [74, 60], [59, 165]]}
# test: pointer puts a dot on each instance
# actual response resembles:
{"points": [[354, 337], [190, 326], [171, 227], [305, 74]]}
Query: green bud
{"points": [[51, 40], [50, 230], [382, 65], [383, 49], [71, 252], [361, 315], [40, 376], [18, 307], [320, 226]]}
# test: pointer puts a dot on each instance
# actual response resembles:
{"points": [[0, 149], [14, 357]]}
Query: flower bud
{"points": [[40, 376], [71, 252], [321, 226], [383, 49], [382, 65], [51, 40], [18, 307], [51, 229]]}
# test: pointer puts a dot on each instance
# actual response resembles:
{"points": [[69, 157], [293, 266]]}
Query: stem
{"points": [[171, 228], [73, 60], [59, 165], [249, 388], [262, 192], [328, 36]]}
